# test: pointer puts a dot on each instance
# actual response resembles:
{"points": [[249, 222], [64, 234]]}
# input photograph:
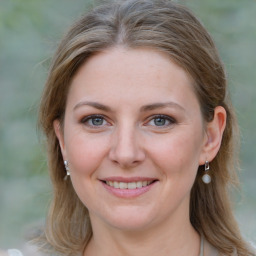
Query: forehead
{"points": [[129, 74]]}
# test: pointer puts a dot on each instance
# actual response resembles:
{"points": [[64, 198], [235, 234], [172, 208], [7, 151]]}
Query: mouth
{"points": [[128, 185]]}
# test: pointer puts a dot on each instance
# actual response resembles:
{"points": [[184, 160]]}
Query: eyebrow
{"points": [[94, 105], [145, 108], [161, 105]]}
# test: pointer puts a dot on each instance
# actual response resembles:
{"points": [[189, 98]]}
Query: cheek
{"points": [[85, 153], [178, 154]]}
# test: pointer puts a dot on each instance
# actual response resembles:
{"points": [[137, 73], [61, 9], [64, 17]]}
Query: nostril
{"points": [[126, 151]]}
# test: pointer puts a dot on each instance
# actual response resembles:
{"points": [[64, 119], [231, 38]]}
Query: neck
{"points": [[172, 238]]}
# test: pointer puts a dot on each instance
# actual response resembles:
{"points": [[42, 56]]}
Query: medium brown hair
{"points": [[173, 30]]}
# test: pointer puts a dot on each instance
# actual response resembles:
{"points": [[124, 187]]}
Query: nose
{"points": [[126, 149]]}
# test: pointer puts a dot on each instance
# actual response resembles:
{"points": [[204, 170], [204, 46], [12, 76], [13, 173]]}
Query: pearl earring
{"points": [[66, 167], [206, 177]]}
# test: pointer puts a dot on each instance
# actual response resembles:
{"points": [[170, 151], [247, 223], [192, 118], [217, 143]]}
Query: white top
{"points": [[206, 249], [14, 252]]}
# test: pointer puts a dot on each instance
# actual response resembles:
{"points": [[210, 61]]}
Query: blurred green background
{"points": [[29, 32]]}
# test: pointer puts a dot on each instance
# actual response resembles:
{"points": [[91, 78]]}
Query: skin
{"points": [[127, 89]]}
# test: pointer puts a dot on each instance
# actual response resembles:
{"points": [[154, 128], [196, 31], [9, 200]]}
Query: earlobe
{"points": [[60, 136], [214, 132]]}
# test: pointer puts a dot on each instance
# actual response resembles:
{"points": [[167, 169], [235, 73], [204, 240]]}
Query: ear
{"points": [[213, 136], [60, 136]]}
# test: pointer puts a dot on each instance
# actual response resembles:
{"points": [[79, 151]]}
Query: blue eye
{"points": [[94, 121], [97, 121], [161, 121]]}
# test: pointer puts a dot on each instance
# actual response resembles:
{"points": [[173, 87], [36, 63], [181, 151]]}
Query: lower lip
{"points": [[128, 193]]}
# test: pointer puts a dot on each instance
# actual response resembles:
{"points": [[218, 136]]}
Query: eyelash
{"points": [[171, 120], [86, 120]]}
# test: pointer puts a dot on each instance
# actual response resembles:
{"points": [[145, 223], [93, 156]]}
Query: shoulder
{"points": [[33, 249], [11, 252], [27, 250], [252, 246]]}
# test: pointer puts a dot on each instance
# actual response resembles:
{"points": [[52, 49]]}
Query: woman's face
{"points": [[134, 138]]}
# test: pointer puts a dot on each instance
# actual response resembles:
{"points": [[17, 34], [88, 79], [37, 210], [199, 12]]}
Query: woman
{"points": [[141, 137]]}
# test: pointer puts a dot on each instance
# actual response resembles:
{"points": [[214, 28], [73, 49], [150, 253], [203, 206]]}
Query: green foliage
{"points": [[29, 31]]}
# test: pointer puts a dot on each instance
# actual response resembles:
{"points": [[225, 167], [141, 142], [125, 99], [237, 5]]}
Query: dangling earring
{"points": [[206, 177], [67, 169]]}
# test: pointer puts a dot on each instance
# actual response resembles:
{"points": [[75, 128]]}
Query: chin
{"points": [[130, 224], [128, 220]]}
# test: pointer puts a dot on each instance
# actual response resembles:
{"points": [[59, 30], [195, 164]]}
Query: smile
{"points": [[128, 185]]}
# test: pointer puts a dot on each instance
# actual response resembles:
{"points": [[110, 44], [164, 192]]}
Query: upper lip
{"points": [[128, 179]]}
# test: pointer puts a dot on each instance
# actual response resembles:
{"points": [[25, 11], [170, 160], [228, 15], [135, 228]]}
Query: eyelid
{"points": [[87, 118], [172, 120]]}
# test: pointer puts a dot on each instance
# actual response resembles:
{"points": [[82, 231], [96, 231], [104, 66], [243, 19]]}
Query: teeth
{"points": [[116, 184], [128, 185], [144, 183], [123, 185], [131, 185], [139, 184]]}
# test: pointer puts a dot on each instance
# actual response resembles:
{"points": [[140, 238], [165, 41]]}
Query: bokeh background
{"points": [[29, 33]]}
